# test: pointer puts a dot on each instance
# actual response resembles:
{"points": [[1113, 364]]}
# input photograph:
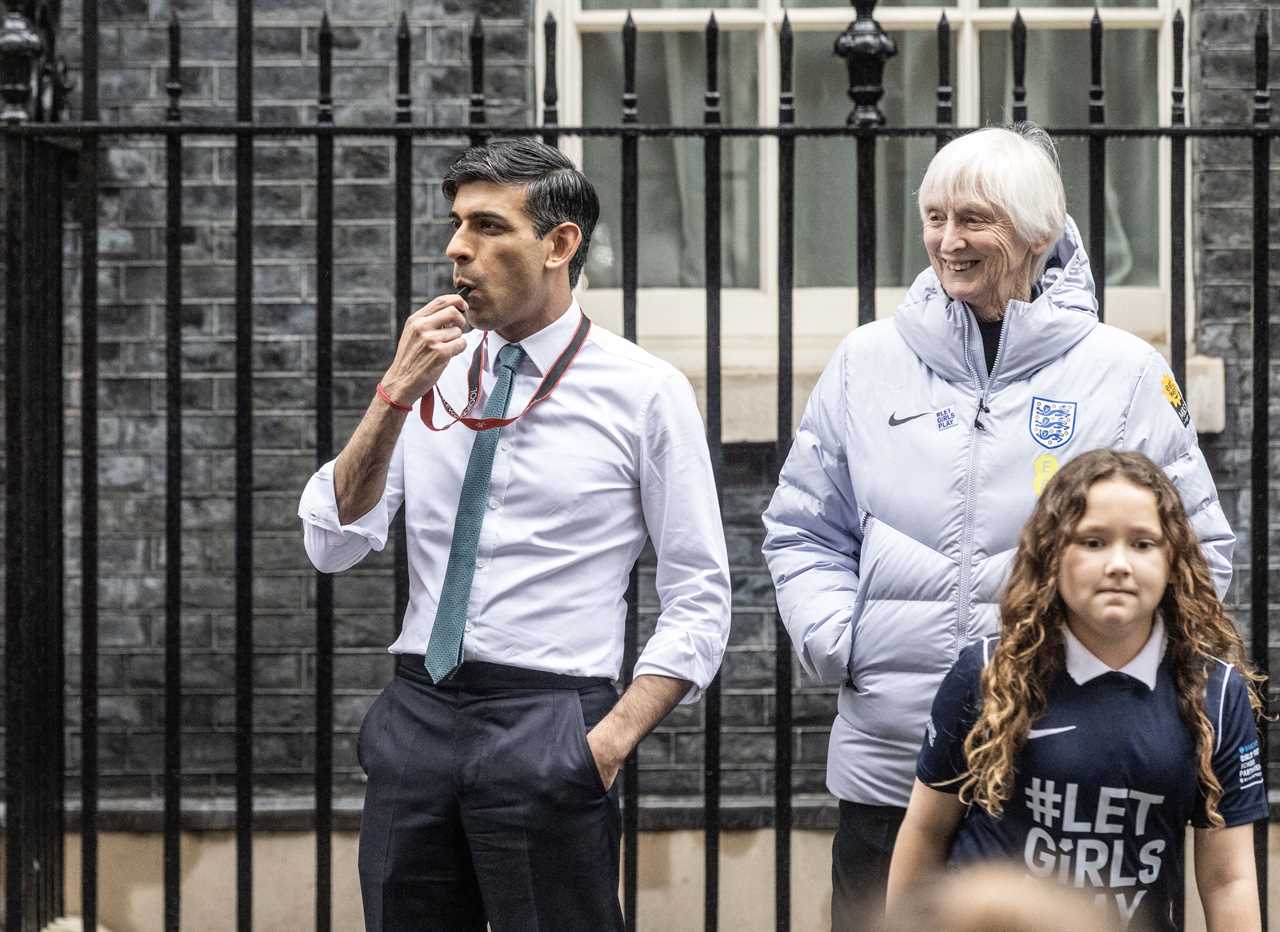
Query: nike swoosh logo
{"points": [[1046, 732], [894, 421]]}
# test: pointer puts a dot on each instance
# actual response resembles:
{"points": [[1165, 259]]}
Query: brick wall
{"points": [[133, 43], [133, 50], [134, 53], [1221, 91]]}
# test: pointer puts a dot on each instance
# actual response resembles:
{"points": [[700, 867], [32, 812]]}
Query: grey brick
{"points": [[748, 668], [370, 161], [349, 711], [352, 671], [1224, 29], [278, 162], [279, 671], [376, 43], [369, 242], [362, 354], [1229, 68]]}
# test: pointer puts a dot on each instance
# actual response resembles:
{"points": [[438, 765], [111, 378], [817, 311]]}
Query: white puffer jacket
{"points": [[898, 510]]}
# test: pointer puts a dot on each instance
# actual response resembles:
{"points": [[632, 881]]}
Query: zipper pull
{"points": [[977, 418]]}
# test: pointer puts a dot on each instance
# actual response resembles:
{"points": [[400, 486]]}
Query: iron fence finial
{"points": [[865, 48]]}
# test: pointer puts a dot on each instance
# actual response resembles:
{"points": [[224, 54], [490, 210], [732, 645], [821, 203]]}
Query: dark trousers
{"points": [[485, 805], [860, 858]]}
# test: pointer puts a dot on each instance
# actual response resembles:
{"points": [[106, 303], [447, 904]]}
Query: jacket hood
{"points": [[941, 332]]}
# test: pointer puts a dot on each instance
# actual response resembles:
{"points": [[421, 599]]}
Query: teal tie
{"points": [[444, 652]]}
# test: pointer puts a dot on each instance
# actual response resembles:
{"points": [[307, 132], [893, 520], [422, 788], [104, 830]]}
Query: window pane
{"points": [[846, 8], [670, 78], [668, 4], [1058, 95], [1076, 3], [826, 173]]}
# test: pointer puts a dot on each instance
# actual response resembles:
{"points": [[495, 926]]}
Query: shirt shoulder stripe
{"points": [[986, 648], [1222, 702]]}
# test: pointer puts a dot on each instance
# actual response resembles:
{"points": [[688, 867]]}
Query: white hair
{"points": [[1014, 170]]}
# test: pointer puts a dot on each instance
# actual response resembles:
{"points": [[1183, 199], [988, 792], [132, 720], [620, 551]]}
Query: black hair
{"points": [[555, 191]]}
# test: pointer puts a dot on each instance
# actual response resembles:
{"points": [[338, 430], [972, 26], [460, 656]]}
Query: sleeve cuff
{"points": [[319, 508]]}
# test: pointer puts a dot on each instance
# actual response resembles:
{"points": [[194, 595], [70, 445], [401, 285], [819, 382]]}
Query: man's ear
{"points": [[563, 242]]}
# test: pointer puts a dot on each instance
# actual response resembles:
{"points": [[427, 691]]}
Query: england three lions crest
{"points": [[1052, 422]]}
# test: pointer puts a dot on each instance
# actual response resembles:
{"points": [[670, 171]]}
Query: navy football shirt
{"points": [[1106, 782]]}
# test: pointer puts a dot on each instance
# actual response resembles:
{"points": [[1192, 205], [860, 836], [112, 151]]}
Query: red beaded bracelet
{"points": [[382, 393]]}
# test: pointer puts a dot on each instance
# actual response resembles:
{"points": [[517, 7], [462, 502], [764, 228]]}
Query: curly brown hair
{"points": [[1030, 653]]}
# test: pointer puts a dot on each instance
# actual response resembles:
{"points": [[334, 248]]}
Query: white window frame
{"points": [[671, 321]]}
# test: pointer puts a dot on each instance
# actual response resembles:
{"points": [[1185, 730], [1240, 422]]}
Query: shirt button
{"points": [[469, 627], [480, 564], [493, 502]]}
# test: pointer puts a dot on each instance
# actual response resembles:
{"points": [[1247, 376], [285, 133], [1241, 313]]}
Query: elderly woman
{"points": [[921, 453]]}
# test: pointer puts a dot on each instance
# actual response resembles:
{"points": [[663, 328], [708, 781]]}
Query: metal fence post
{"points": [[865, 49], [33, 500]]}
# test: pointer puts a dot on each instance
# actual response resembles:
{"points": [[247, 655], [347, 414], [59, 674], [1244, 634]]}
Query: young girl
{"points": [[1114, 708]]}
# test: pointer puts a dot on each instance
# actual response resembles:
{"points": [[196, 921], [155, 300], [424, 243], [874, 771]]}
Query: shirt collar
{"points": [[1083, 666], [545, 346]]}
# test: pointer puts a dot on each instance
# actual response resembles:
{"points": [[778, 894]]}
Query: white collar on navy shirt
{"points": [[545, 346], [1083, 666]]}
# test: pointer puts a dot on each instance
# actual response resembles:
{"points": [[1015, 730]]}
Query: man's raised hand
{"points": [[432, 336]]}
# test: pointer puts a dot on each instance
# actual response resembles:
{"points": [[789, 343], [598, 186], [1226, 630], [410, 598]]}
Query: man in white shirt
{"points": [[492, 755]]}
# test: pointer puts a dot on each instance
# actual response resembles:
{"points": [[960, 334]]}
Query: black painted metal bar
{"points": [[945, 114], [1260, 473], [866, 157], [631, 642], [54, 171], [324, 452], [866, 47], [1177, 287], [605, 131], [34, 619], [1097, 168], [45, 618], [782, 641], [475, 114], [244, 471], [88, 194], [711, 182], [1178, 219], [49, 402], [173, 493], [550, 92], [403, 280], [1018, 39], [17, 373]]}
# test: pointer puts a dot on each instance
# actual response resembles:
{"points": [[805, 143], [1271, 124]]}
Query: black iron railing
{"points": [[33, 621]]}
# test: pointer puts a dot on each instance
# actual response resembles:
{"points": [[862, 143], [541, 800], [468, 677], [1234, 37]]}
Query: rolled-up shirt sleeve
{"points": [[333, 546], [682, 514]]}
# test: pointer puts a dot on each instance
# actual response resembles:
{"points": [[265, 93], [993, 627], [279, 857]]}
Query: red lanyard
{"points": [[545, 388]]}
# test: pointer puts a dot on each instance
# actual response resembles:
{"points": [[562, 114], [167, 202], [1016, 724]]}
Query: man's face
{"points": [[496, 251]]}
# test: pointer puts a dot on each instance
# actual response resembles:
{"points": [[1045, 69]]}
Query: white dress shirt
{"points": [[616, 453]]}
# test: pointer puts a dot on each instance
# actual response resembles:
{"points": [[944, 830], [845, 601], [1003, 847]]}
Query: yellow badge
{"points": [[1043, 469], [1175, 399]]}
